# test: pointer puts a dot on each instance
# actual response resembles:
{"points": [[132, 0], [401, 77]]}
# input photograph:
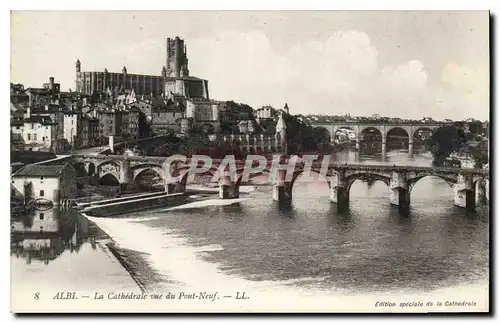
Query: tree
{"points": [[144, 126], [321, 137], [299, 135], [446, 140], [476, 128]]}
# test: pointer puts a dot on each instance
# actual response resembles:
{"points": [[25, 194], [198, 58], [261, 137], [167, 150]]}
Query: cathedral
{"points": [[174, 85], [174, 79]]}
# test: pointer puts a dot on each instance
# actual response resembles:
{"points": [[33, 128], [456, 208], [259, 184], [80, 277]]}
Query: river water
{"points": [[307, 248]]}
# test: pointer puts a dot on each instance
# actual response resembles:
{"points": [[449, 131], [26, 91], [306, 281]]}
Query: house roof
{"points": [[34, 170], [168, 108], [16, 123], [38, 90], [39, 119], [86, 116], [15, 107]]}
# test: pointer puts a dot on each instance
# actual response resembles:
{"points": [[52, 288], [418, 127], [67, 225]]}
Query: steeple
{"points": [[281, 131], [281, 124], [124, 70], [286, 108], [78, 65], [164, 72]]}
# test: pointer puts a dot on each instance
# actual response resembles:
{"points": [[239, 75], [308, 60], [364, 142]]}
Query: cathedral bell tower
{"points": [[177, 62]]}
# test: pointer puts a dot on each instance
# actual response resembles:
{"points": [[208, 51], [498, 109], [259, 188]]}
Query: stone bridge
{"points": [[360, 128], [470, 186]]}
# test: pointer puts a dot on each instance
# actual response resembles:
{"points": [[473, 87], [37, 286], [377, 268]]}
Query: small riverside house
{"points": [[54, 183]]}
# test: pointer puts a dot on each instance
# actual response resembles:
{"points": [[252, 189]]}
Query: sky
{"points": [[408, 64]]}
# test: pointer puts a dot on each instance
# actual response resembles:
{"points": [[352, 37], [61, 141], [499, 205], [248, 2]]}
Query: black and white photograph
{"points": [[250, 161]]}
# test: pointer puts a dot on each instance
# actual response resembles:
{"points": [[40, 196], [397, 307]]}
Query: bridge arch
{"points": [[109, 167], [407, 128], [417, 132], [370, 136], [366, 177], [450, 180], [298, 173], [109, 179], [184, 173], [345, 132], [369, 127], [91, 169], [80, 169], [239, 178], [140, 169], [323, 134], [146, 178], [153, 170], [397, 137]]}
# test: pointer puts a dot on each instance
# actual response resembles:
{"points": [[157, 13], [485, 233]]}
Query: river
{"points": [[305, 256]]}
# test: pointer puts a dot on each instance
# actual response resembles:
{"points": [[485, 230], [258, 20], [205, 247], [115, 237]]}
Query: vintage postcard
{"points": [[250, 161]]}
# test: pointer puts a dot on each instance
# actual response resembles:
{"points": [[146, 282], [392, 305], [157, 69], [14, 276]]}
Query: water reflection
{"points": [[43, 235], [284, 209], [235, 209]]}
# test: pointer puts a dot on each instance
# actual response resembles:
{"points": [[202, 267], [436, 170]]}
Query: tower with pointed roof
{"points": [[286, 109], [281, 133]]}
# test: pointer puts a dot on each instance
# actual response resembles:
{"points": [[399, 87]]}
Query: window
{"points": [[42, 216], [71, 121], [43, 138], [42, 193], [34, 136], [17, 128], [29, 136], [31, 125], [46, 127], [41, 178]]}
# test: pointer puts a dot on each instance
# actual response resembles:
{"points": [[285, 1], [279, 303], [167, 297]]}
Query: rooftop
{"points": [[34, 170], [39, 119], [38, 90], [185, 78], [17, 107]]}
